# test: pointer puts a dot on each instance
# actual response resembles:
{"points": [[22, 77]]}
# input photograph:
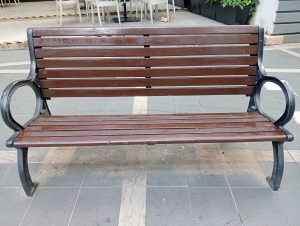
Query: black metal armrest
{"points": [[289, 99], [6, 99]]}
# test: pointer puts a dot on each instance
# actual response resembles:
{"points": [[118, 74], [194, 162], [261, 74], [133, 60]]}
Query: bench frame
{"points": [[42, 109]]}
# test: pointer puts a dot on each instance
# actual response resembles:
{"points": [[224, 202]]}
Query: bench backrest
{"points": [[89, 62]]}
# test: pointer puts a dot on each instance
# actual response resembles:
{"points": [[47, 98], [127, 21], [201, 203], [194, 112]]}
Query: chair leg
{"points": [[60, 13], [92, 12], [151, 13], [79, 13], [99, 17], [118, 13], [278, 166], [142, 5], [173, 3], [28, 186], [168, 12]]}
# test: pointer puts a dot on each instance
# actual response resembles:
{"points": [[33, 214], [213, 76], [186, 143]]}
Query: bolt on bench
{"points": [[115, 62]]}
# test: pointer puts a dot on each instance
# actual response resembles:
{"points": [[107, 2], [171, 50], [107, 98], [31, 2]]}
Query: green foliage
{"points": [[235, 3]]}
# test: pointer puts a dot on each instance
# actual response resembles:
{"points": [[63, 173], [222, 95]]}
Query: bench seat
{"points": [[92, 130]]}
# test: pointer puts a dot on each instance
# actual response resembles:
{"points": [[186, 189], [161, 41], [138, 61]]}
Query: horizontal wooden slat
{"points": [[83, 133], [162, 72], [141, 117], [146, 122], [136, 82], [148, 139], [147, 40], [147, 92], [136, 52], [152, 126], [145, 31], [164, 62]]}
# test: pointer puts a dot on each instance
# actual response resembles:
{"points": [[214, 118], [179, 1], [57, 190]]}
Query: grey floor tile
{"points": [[290, 201], [103, 175], [14, 204], [60, 175], [51, 206], [213, 206], [282, 59], [207, 180], [166, 178], [259, 207], [4, 167], [168, 207], [97, 206], [11, 178]]}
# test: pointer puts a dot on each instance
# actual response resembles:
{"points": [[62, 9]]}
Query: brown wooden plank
{"points": [[147, 40], [149, 116], [145, 31], [148, 122], [148, 139], [138, 52], [146, 62], [82, 133], [247, 90], [65, 83], [153, 126], [162, 72]]}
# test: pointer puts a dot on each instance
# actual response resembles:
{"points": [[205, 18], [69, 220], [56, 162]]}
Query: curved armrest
{"points": [[288, 94], [6, 99]]}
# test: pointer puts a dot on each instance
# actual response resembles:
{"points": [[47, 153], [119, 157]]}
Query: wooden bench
{"points": [[115, 62]]}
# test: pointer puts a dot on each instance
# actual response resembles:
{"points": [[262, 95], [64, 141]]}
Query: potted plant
{"points": [[208, 9], [233, 11]]}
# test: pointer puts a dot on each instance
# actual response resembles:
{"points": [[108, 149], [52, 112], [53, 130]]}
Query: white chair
{"points": [[4, 2], [88, 6], [104, 4], [153, 4], [60, 4]]}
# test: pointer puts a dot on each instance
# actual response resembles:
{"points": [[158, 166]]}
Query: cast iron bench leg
{"points": [[28, 186], [278, 165]]}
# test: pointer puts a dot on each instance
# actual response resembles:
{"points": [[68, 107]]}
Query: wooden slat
{"points": [[152, 126], [83, 133], [149, 139], [242, 80], [145, 31], [147, 40], [138, 52], [164, 62], [146, 122], [231, 115], [162, 72], [147, 92]]}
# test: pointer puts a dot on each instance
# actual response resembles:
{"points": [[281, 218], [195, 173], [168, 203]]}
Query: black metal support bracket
{"points": [[278, 166], [28, 186]]}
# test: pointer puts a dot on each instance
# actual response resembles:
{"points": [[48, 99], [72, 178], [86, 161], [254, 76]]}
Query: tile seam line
{"points": [[27, 210], [234, 201], [77, 197]]}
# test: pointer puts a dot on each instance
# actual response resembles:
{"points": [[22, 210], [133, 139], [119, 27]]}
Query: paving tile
{"points": [[290, 201], [280, 59], [162, 177], [51, 206], [60, 175], [11, 178], [14, 204], [103, 175], [207, 180], [244, 169], [213, 206], [97, 206], [259, 207], [4, 167], [48, 175], [168, 206]]}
